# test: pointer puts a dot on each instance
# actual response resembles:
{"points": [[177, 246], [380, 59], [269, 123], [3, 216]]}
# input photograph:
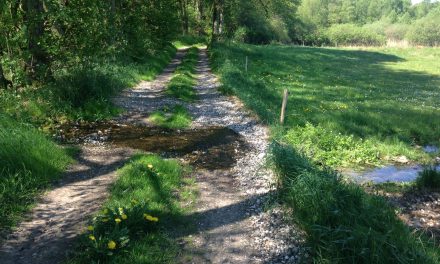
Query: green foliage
{"points": [[352, 35], [346, 107], [426, 31], [429, 178], [182, 84], [174, 118], [29, 162], [343, 223], [144, 202]]}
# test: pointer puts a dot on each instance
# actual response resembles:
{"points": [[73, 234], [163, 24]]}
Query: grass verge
{"points": [[137, 220], [29, 162], [173, 118], [182, 84], [344, 224]]}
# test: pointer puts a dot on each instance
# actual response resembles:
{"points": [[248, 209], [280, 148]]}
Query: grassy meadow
{"points": [[347, 107]]}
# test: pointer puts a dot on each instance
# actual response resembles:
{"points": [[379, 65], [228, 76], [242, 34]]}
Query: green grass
{"points": [[83, 92], [29, 162], [429, 178], [182, 84], [347, 107], [159, 191], [190, 41], [343, 223], [173, 118]]}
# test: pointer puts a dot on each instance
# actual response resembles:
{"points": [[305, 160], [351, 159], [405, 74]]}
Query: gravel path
{"points": [[233, 227]]}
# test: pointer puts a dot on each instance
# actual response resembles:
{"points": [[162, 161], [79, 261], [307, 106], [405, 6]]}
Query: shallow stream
{"points": [[208, 148]]}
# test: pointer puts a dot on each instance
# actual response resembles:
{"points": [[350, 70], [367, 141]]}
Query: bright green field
{"points": [[347, 107]]}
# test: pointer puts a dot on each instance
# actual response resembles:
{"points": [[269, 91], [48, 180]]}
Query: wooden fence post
{"points": [[246, 66], [283, 107]]}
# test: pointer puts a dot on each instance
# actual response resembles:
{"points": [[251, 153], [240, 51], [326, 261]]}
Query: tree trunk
{"points": [[33, 16], [214, 20]]}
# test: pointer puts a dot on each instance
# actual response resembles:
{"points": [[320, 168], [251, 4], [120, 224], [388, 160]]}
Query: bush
{"points": [[429, 178], [426, 31], [352, 35]]}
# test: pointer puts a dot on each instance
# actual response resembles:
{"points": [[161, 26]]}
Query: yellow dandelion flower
{"points": [[111, 244], [118, 220], [151, 218], [90, 228], [92, 237], [124, 217], [150, 166]]}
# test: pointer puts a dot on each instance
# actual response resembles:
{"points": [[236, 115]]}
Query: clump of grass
{"points": [[182, 84], [344, 224], [429, 178], [29, 162], [174, 118], [144, 201]]}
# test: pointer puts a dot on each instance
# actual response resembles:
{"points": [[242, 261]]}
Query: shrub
{"points": [[352, 35], [426, 31], [429, 178]]}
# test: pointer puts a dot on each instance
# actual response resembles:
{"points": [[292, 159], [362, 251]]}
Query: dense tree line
{"points": [[40, 38], [367, 22]]}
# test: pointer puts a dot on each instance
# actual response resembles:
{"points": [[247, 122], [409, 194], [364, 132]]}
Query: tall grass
{"points": [[343, 223], [182, 84], [429, 178], [29, 162]]}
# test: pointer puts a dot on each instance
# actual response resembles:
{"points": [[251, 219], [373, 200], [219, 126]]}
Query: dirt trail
{"points": [[49, 230]]}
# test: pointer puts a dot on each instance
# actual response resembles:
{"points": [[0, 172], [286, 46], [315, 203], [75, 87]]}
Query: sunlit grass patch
{"points": [[173, 118], [182, 84], [136, 222]]}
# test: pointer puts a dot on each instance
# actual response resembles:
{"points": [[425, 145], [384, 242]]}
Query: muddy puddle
{"points": [[387, 174], [208, 148]]}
